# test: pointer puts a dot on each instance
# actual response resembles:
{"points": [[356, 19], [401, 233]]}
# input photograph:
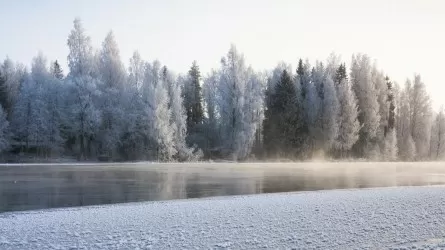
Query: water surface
{"points": [[26, 187]]}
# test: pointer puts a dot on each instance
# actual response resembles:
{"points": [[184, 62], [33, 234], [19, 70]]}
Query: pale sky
{"points": [[404, 36]]}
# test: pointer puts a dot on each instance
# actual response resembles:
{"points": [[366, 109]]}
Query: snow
{"points": [[394, 218]]}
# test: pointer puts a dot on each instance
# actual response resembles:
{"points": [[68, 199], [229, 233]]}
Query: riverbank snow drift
{"points": [[392, 218]]}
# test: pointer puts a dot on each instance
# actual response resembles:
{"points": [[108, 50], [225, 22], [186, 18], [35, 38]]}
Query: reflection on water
{"points": [[36, 187]]}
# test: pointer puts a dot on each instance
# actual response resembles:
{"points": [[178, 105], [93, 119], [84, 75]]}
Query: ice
{"points": [[391, 218]]}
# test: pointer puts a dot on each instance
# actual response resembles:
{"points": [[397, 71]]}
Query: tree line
{"points": [[101, 110]]}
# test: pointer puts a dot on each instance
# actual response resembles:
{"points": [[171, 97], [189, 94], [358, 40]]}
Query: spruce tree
{"points": [[56, 70], [340, 74], [193, 98], [4, 93], [392, 106], [282, 123]]}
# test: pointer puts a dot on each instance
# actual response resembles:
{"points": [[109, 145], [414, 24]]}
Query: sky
{"points": [[405, 37]]}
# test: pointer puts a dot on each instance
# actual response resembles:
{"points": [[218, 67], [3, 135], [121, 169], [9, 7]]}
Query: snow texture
{"points": [[391, 218]]}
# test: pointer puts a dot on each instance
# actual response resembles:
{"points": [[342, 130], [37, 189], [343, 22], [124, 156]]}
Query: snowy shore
{"points": [[392, 218]]}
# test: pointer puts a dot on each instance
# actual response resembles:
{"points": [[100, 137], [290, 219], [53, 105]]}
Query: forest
{"points": [[101, 110]]}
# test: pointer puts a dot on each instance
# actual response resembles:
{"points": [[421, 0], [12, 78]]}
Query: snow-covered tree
{"points": [[4, 131], [80, 57], [211, 120], [407, 147], [367, 96], [178, 119], [312, 105], [156, 99], [136, 70], [420, 108], [348, 124], [56, 70], [4, 94], [83, 90], [330, 113], [11, 74], [113, 76], [379, 82], [437, 151], [26, 120], [48, 104], [232, 96], [111, 68]]}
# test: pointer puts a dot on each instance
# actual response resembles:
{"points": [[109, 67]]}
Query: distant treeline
{"points": [[100, 110]]}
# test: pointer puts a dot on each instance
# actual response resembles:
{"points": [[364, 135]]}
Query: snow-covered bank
{"points": [[341, 219]]}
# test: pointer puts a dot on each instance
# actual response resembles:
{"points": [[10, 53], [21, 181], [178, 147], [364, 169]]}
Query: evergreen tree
{"points": [[4, 131], [340, 74], [56, 70], [392, 105], [437, 150], [282, 120], [300, 72], [3, 91], [193, 97], [308, 105]]}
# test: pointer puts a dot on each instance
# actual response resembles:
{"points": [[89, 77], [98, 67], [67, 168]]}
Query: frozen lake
{"points": [[27, 187]]}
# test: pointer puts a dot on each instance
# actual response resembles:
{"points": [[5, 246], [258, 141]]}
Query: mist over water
{"points": [[51, 186]]}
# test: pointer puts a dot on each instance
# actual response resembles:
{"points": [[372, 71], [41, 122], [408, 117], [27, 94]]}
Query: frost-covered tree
{"points": [[178, 119], [48, 104], [341, 74], [391, 105], [312, 106], [56, 70], [80, 57], [11, 75], [367, 96], [379, 82], [330, 113], [113, 76], [254, 111], [4, 95], [407, 147], [420, 111], [437, 151], [348, 124], [232, 95], [83, 91], [211, 119], [4, 131], [136, 70], [111, 68], [156, 99], [26, 120]]}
